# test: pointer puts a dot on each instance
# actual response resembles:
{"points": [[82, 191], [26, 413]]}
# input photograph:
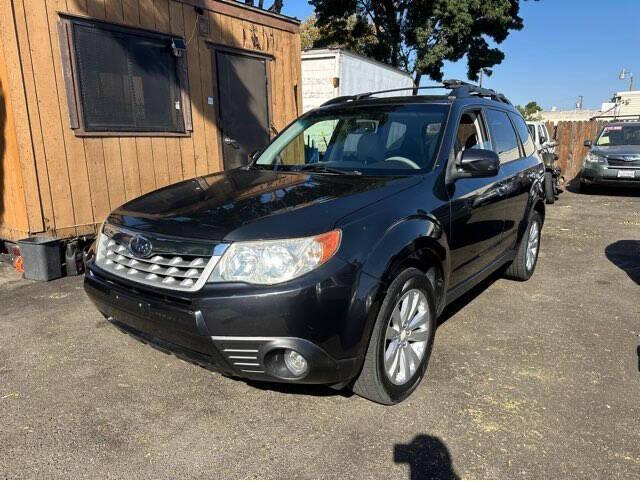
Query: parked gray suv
{"points": [[614, 157]]}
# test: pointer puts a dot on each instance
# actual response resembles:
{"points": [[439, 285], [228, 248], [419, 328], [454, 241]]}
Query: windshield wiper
{"points": [[328, 170]]}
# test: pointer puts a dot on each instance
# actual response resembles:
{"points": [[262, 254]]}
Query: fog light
{"points": [[295, 362]]}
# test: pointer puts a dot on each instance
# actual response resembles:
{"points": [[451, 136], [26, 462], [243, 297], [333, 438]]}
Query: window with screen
{"points": [[124, 80], [505, 142]]}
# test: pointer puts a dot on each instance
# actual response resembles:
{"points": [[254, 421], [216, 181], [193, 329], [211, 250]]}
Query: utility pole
{"points": [[623, 75]]}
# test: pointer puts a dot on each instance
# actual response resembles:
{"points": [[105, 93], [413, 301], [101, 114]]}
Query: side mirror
{"points": [[588, 143], [477, 163]]}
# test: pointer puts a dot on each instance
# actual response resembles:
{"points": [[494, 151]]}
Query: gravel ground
{"points": [[538, 379]]}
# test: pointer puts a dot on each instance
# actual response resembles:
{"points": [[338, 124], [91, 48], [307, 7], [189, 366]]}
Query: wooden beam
{"points": [[245, 12]]}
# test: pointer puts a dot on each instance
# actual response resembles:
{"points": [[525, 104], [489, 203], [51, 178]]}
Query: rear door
{"points": [[521, 174], [243, 105], [513, 143]]}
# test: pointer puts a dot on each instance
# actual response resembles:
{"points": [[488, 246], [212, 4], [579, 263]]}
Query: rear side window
{"points": [[524, 133], [505, 142]]}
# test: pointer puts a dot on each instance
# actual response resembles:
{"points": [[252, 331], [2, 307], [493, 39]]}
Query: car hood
{"points": [[247, 204], [617, 150]]}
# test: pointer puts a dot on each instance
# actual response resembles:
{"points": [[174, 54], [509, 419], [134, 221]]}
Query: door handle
{"points": [[231, 142]]}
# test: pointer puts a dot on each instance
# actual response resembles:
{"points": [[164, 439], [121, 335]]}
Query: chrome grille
{"points": [[177, 271], [616, 162]]}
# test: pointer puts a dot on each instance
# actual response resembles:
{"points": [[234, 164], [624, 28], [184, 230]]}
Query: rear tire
{"points": [[549, 191], [523, 266], [400, 344]]}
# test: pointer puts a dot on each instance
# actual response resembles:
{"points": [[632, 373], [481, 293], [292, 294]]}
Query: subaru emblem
{"points": [[140, 246]]}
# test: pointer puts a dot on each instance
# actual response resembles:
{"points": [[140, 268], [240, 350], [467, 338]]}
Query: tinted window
{"points": [[524, 133], [505, 142], [127, 80]]}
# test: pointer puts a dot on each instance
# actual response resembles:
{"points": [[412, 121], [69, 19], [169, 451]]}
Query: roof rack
{"points": [[621, 118], [459, 89]]}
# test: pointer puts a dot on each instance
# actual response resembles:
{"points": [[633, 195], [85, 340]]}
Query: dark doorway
{"points": [[243, 105]]}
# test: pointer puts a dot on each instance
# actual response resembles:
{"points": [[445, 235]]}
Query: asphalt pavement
{"points": [[527, 380]]}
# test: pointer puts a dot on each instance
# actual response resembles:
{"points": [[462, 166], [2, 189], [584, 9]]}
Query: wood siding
{"points": [[54, 181], [570, 137]]}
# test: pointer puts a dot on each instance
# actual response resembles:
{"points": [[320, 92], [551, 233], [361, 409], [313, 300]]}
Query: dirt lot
{"points": [[539, 379]]}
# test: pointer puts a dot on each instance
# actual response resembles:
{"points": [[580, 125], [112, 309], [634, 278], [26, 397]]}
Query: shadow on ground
{"points": [[613, 191], [626, 255], [427, 457], [317, 390], [468, 297]]}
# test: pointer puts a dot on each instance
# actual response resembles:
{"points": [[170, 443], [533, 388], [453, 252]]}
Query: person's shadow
{"points": [[626, 255], [427, 457]]}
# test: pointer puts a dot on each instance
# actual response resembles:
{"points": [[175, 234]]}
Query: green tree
{"points": [[309, 33], [530, 111], [418, 36], [314, 36]]}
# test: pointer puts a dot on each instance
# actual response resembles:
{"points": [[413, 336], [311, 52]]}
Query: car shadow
{"points": [[427, 456], [468, 297], [626, 255], [605, 190], [316, 390]]}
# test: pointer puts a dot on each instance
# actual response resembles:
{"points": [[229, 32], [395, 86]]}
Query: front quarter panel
{"points": [[396, 228]]}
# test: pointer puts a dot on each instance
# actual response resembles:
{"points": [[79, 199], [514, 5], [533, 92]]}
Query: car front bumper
{"points": [[243, 331], [608, 175]]}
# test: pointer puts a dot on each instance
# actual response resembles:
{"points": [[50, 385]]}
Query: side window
{"points": [[505, 142], [524, 133], [543, 135], [471, 134]]}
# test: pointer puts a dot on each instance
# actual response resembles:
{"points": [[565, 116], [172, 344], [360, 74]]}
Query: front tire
{"points": [[524, 264], [549, 190], [401, 342]]}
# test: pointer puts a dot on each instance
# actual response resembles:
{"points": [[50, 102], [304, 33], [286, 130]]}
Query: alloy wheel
{"points": [[406, 336], [533, 242]]}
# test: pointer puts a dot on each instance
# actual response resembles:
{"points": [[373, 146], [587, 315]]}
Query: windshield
{"points": [[619, 135], [374, 140]]}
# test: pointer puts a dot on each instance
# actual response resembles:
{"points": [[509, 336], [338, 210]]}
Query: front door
{"points": [[243, 107], [477, 207]]}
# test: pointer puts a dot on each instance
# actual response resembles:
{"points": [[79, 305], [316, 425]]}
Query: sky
{"points": [[567, 48]]}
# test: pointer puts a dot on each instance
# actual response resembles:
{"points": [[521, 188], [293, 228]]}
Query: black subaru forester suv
{"points": [[329, 258]]}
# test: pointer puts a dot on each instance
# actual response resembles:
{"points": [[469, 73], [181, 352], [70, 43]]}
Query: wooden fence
{"points": [[570, 137]]}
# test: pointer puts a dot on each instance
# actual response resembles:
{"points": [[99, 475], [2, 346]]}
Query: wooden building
{"points": [[104, 100]]}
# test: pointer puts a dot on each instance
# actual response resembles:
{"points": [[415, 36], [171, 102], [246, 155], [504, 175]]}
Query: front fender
{"points": [[409, 238], [536, 198]]}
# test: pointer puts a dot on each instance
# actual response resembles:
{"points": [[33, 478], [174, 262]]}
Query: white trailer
{"points": [[332, 72]]}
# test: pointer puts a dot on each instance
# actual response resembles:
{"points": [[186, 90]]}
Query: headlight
{"points": [[99, 241], [595, 158], [273, 262]]}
